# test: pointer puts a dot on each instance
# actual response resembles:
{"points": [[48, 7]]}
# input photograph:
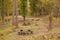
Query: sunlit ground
{"points": [[39, 26]]}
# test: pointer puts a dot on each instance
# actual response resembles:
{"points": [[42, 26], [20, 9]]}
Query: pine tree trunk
{"points": [[24, 20], [2, 11], [0, 15], [50, 21], [15, 13]]}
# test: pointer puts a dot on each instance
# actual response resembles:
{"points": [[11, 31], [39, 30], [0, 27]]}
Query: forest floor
{"points": [[39, 26]]}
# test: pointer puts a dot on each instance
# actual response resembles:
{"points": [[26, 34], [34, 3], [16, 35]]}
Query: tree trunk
{"points": [[15, 13], [50, 21], [0, 15], [24, 20], [2, 11]]}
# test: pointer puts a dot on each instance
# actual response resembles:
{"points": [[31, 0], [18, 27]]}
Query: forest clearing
{"points": [[29, 19]]}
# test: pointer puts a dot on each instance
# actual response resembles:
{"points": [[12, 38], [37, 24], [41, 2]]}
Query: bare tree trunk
{"points": [[2, 11], [0, 15], [42, 9], [24, 20], [50, 21], [15, 13]]}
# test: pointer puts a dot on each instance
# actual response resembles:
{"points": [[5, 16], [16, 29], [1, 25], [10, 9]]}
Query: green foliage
{"points": [[5, 8], [44, 7], [23, 7], [36, 7]]}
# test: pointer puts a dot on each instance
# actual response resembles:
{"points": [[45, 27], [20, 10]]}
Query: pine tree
{"points": [[24, 9]]}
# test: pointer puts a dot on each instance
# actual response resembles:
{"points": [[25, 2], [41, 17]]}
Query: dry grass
{"points": [[39, 30]]}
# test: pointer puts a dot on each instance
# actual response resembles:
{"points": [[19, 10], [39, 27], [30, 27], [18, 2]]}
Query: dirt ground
{"points": [[39, 26]]}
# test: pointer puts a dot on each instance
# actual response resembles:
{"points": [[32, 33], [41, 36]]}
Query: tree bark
{"points": [[50, 21], [2, 11], [15, 13], [24, 20]]}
